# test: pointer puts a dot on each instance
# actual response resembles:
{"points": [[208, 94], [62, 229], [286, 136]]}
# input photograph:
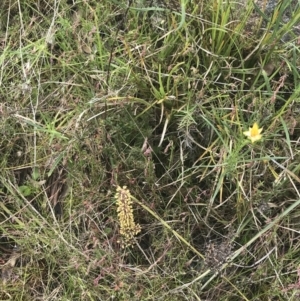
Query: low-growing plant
{"points": [[149, 150]]}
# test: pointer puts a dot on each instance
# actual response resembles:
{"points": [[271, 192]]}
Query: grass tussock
{"points": [[149, 150]]}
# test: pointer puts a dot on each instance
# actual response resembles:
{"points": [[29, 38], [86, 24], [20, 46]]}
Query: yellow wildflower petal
{"points": [[254, 133]]}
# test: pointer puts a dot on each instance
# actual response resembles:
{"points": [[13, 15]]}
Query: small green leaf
{"points": [[35, 174], [25, 190]]}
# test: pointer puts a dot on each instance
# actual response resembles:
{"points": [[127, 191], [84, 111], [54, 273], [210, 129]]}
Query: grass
{"points": [[99, 95]]}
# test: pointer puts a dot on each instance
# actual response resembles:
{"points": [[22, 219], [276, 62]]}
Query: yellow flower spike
{"points": [[254, 133], [128, 228]]}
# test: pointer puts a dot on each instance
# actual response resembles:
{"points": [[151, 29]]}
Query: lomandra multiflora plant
{"points": [[128, 228]]}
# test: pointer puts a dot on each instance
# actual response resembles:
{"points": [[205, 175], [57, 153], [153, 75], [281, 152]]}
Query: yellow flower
{"points": [[254, 133]]}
